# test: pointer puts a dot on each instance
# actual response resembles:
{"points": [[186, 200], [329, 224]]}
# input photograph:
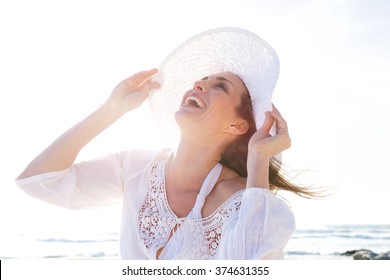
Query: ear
{"points": [[238, 128]]}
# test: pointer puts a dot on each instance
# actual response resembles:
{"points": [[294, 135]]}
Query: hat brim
{"points": [[228, 49]]}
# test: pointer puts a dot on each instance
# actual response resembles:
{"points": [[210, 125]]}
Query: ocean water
{"points": [[329, 242], [323, 243], [98, 246]]}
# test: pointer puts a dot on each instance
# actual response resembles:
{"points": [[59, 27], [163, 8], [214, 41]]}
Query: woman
{"points": [[210, 197]]}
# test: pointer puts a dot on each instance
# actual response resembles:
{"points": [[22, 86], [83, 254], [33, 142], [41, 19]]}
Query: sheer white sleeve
{"points": [[261, 229], [86, 184]]}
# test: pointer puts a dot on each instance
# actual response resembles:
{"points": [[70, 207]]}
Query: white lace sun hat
{"points": [[228, 49]]}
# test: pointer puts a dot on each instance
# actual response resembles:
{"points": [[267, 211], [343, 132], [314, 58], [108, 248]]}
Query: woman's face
{"points": [[211, 105]]}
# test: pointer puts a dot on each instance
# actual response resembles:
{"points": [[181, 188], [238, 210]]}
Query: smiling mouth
{"points": [[196, 102]]}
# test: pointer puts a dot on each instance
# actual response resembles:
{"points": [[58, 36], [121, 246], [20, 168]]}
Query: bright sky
{"points": [[60, 60]]}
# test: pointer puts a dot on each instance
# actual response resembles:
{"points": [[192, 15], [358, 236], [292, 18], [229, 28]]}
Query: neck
{"points": [[190, 163]]}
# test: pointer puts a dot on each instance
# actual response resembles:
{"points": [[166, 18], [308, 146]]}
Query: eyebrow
{"points": [[218, 78]]}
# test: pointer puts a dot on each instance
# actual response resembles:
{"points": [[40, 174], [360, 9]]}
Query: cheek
{"points": [[230, 106], [225, 111]]}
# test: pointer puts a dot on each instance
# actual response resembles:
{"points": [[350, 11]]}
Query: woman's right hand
{"points": [[61, 154], [132, 92]]}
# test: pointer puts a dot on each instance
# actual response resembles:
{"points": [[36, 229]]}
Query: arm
{"points": [[265, 223], [126, 96]]}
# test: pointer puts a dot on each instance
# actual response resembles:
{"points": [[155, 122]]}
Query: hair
{"points": [[236, 154]]}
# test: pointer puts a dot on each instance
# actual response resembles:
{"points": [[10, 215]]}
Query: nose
{"points": [[200, 86]]}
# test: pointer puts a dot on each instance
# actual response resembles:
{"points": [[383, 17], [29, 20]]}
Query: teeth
{"points": [[199, 102]]}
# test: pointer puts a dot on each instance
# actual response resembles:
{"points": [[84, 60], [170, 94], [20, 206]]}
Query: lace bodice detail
{"points": [[251, 224], [197, 237]]}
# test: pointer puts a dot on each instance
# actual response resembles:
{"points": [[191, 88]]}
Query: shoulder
{"points": [[229, 184], [141, 157], [137, 161]]}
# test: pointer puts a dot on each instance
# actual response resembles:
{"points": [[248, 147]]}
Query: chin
{"points": [[187, 121], [182, 118]]}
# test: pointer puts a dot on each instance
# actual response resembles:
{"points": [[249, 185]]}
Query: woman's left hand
{"points": [[266, 145], [263, 146]]}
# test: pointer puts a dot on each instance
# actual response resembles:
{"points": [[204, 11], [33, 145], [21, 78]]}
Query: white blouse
{"points": [[252, 224]]}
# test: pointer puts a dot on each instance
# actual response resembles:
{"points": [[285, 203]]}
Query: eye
{"points": [[221, 86]]}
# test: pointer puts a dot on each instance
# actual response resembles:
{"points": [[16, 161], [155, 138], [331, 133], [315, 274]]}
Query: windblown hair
{"points": [[236, 154]]}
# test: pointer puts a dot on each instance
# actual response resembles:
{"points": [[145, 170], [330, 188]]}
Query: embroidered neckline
{"points": [[203, 219], [156, 219]]}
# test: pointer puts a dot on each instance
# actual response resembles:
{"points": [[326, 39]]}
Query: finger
{"points": [[281, 124], [280, 121], [154, 85], [140, 77], [268, 122], [148, 86], [276, 111]]}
